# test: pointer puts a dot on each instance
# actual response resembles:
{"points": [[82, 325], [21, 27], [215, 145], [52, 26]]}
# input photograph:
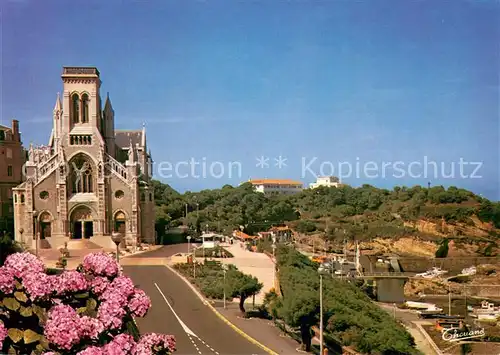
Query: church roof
{"points": [[123, 138]]}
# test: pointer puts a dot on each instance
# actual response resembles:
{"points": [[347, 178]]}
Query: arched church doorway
{"points": [[45, 221], [82, 225], [120, 222]]}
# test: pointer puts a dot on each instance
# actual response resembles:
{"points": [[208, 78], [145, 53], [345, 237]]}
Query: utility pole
{"points": [[449, 301], [466, 310], [321, 314], [186, 210]]}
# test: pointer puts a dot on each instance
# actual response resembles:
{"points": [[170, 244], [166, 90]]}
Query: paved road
{"points": [[165, 251], [177, 310]]}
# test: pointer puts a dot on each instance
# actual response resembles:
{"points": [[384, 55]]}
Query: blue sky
{"points": [[230, 81]]}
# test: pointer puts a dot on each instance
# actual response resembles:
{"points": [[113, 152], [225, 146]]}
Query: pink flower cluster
{"points": [[99, 284], [39, 285], [139, 303], [150, 343], [63, 327], [6, 281], [124, 344], [115, 294], [3, 333], [101, 264], [72, 281], [22, 263]]}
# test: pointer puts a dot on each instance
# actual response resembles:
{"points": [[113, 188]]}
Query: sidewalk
{"points": [[261, 330], [255, 264]]}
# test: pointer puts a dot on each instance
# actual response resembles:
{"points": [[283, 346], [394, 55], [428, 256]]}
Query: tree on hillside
{"points": [[300, 309], [242, 286]]}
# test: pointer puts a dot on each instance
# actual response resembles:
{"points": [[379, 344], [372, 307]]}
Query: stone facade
{"points": [[12, 157], [91, 179]]}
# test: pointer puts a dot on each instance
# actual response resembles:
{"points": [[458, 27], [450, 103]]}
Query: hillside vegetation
{"points": [[350, 318], [364, 213]]}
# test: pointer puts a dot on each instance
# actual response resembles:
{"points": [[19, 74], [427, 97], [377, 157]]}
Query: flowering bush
{"points": [[88, 311], [3, 333]]}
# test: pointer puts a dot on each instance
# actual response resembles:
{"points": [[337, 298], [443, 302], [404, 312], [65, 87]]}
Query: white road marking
{"points": [[184, 326], [194, 344], [208, 346], [186, 329]]}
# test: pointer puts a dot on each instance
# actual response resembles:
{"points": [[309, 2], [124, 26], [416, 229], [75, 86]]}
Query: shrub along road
{"points": [[177, 310]]}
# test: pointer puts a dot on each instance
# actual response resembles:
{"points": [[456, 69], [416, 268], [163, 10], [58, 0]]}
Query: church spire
{"points": [[58, 105], [107, 105], [143, 138], [131, 153]]}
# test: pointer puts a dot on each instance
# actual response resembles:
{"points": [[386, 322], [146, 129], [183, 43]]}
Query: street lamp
{"points": [[189, 242], [320, 311], [194, 263], [224, 270], [35, 231], [21, 231], [116, 237]]}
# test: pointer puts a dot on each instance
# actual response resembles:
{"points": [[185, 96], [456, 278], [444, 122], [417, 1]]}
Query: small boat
{"points": [[420, 305], [488, 317], [469, 271], [486, 308], [432, 310], [432, 273]]}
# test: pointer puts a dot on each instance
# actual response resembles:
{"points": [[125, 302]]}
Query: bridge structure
{"points": [[387, 286], [385, 275]]}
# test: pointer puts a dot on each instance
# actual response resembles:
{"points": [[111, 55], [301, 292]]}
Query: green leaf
{"points": [[81, 310], [11, 303], [21, 296], [15, 334], [31, 337], [82, 295], [91, 304], [26, 311], [19, 286], [40, 312], [44, 343]]}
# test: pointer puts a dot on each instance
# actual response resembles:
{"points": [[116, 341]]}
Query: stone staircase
{"points": [[82, 244]]}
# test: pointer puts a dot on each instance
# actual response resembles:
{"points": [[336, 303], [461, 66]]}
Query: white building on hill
{"points": [[327, 181], [277, 186]]}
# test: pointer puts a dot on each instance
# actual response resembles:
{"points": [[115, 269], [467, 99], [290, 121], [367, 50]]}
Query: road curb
{"points": [[218, 314], [428, 338]]}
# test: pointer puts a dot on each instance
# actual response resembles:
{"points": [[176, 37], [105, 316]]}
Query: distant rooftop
{"points": [[124, 137], [274, 182]]}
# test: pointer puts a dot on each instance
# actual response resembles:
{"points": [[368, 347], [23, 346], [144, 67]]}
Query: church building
{"points": [[91, 179]]}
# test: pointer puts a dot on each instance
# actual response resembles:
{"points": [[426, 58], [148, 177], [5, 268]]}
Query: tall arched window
{"points": [[81, 175], [85, 108], [75, 108]]}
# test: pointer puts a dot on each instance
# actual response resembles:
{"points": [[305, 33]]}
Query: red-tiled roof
{"points": [[274, 182], [240, 234]]}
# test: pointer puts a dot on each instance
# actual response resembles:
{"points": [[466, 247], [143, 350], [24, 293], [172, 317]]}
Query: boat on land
{"points": [[487, 312], [432, 273], [420, 305], [431, 310]]}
